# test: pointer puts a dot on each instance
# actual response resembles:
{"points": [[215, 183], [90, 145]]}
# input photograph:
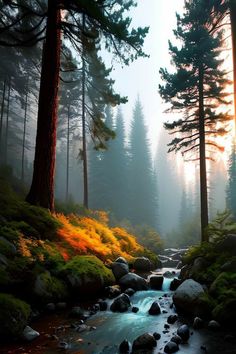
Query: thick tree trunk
{"points": [[203, 171], [85, 162], [7, 121], [24, 138], [232, 4], [2, 113], [68, 154], [42, 188]]}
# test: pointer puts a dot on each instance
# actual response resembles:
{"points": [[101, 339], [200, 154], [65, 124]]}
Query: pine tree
{"points": [[142, 200], [196, 88]]}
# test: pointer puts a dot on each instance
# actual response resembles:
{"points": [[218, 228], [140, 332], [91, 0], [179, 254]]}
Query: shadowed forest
{"points": [[117, 176]]}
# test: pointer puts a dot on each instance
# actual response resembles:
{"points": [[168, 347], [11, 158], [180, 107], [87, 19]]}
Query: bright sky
{"points": [[142, 76]]}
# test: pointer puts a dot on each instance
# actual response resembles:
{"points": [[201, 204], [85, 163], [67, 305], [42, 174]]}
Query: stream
{"points": [[110, 329]]}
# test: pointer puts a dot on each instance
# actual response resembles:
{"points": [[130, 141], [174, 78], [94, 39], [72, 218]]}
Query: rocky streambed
{"points": [[145, 321]]}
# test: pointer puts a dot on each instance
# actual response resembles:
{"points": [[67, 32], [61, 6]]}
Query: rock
{"points": [[225, 312], [188, 297], [119, 269], [76, 312], [135, 309], [184, 272], [142, 264], [133, 281], [214, 325], [125, 347], [112, 291], [171, 347], [156, 335], [154, 309], [176, 339], [29, 334], [121, 260], [166, 326], [130, 291], [175, 283], [63, 345], [197, 323], [9, 247], [183, 332], [179, 265], [228, 244], [121, 303], [48, 288], [172, 319], [229, 266], [177, 256], [51, 307], [145, 341], [156, 281], [61, 305], [103, 305], [199, 265], [168, 274]]}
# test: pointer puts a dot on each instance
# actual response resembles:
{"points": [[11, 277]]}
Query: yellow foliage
{"points": [[90, 236]]}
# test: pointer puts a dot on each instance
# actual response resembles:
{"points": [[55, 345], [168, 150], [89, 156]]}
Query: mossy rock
{"points": [[14, 315], [49, 288], [87, 275], [225, 312], [224, 286]]}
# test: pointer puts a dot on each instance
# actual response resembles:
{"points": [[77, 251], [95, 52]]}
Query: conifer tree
{"points": [[142, 199], [196, 89]]}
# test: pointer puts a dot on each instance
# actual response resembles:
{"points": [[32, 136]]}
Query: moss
{"points": [[224, 286], [87, 274], [49, 288], [206, 250], [14, 315], [9, 232], [225, 311]]}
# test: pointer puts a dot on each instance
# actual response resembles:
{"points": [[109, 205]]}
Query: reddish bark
{"points": [[42, 189]]}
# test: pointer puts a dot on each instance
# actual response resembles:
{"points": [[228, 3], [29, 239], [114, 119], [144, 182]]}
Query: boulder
{"points": [[142, 264], [171, 347], [172, 319], [135, 309], [228, 244], [184, 273], [229, 266], [29, 334], [133, 281], [156, 335], [199, 264], [183, 332], [48, 288], [103, 305], [169, 274], [177, 339], [130, 291], [146, 341], [225, 312], [125, 347], [155, 308], [188, 297], [119, 269], [121, 303], [156, 281], [121, 260], [214, 325]]}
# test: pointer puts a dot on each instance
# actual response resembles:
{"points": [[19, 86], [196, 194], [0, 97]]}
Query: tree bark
{"points": [[2, 113], [68, 154], [203, 171], [7, 120], [232, 5], [24, 138], [85, 162], [42, 189]]}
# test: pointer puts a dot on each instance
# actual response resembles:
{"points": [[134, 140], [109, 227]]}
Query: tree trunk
{"points": [[7, 121], [68, 154], [42, 189], [203, 171], [2, 113], [232, 4], [24, 138], [85, 162]]}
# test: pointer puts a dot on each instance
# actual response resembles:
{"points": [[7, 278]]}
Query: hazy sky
{"points": [[142, 76]]}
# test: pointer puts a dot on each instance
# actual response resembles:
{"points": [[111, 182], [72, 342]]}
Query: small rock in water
{"points": [[177, 339], [145, 341], [120, 304], [183, 332], [172, 319], [203, 348], [154, 309], [156, 281], [156, 335], [214, 325], [175, 283], [29, 334], [51, 307], [130, 291], [164, 311], [125, 347], [135, 309], [197, 323], [166, 326], [103, 305], [63, 345], [171, 347]]}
